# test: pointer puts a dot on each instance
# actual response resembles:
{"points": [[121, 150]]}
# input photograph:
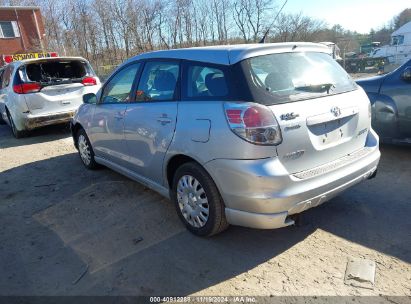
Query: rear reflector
{"points": [[89, 81], [234, 116], [26, 88]]}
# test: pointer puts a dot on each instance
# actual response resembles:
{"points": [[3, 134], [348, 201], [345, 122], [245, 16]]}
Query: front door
{"points": [[150, 121], [107, 129]]}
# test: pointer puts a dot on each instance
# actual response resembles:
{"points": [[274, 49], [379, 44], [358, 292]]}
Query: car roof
{"points": [[231, 54]]}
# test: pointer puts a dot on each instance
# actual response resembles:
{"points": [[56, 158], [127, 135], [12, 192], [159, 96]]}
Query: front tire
{"points": [[197, 200], [85, 150]]}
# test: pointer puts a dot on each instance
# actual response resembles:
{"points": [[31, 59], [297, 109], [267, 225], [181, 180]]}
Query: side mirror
{"points": [[406, 74], [90, 98]]}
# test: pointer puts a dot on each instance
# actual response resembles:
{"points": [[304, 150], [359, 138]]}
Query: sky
{"points": [[355, 15]]}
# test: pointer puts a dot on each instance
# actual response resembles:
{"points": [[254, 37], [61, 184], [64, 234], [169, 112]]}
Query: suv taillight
{"points": [[89, 81], [26, 88], [253, 122]]}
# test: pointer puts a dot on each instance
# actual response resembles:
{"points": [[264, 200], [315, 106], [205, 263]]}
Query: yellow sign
{"points": [[17, 57]]}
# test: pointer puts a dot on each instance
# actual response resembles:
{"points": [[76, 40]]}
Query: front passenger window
{"points": [[118, 89]]}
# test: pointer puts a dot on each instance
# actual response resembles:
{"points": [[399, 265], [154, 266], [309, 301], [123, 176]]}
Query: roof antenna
{"points": [[268, 29]]}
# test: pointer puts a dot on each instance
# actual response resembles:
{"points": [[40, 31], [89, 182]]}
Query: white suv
{"points": [[40, 92]]}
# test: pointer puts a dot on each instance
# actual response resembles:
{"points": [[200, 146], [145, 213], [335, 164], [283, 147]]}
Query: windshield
{"points": [[286, 77]]}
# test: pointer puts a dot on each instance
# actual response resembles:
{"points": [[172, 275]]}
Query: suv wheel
{"points": [[197, 200], [85, 150], [16, 133]]}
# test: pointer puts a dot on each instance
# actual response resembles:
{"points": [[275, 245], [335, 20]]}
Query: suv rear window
{"points": [[56, 71], [286, 77]]}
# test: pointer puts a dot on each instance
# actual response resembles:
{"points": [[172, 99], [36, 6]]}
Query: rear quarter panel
{"points": [[202, 132]]}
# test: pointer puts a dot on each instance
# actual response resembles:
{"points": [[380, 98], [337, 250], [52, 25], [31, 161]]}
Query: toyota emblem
{"points": [[336, 111]]}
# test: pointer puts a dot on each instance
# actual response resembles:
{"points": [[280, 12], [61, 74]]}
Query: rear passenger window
{"points": [[204, 81], [158, 81]]}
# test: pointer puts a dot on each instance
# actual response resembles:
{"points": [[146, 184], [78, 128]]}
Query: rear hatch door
{"points": [[321, 130], [56, 98]]}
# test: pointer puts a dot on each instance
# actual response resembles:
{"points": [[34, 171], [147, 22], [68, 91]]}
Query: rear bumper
{"points": [[262, 194], [35, 121]]}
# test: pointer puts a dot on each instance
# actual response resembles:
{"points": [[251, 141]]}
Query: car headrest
{"points": [[216, 84], [278, 82], [164, 81]]}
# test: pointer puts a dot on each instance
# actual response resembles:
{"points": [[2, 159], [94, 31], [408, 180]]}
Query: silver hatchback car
{"points": [[245, 135]]}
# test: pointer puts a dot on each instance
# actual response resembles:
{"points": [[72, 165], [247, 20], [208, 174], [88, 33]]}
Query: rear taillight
{"points": [[253, 122], [26, 88], [89, 81]]}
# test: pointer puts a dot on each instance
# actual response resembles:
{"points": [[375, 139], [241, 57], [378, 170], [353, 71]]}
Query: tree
{"points": [[402, 18]]}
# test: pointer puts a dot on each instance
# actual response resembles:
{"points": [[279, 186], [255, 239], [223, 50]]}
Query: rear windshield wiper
{"points": [[317, 88]]}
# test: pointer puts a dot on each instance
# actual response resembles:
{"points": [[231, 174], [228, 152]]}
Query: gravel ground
{"points": [[68, 231]]}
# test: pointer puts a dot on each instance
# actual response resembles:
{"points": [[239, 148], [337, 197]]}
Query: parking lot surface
{"points": [[65, 230]]}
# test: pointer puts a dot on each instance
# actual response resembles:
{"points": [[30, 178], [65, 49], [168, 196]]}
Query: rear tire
{"points": [[197, 200], [17, 134], [85, 150]]}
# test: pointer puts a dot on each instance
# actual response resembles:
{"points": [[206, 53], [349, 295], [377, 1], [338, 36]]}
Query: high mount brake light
{"points": [[89, 81], [253, 122], [26, 88]]}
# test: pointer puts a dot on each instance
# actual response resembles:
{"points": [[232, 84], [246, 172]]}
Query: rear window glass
{"points": [[204, 81], [56, 71], [285, 77]]}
